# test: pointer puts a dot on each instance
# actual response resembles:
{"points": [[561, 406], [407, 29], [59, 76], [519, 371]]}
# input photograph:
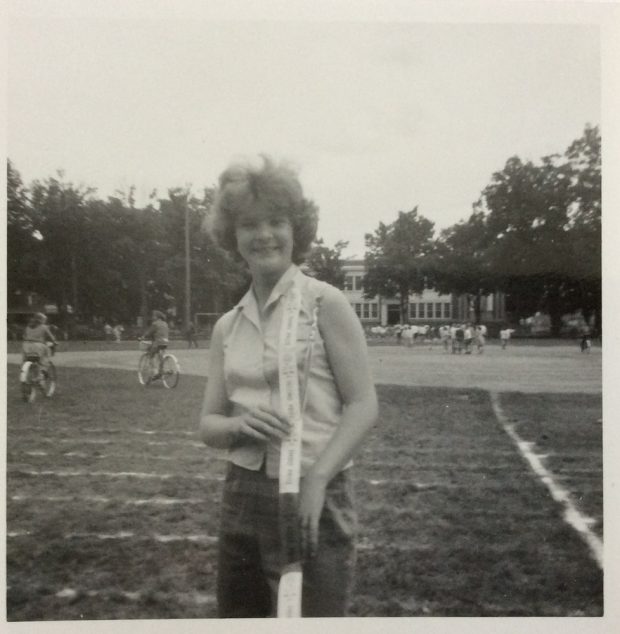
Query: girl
{"points": [[262, 216]]}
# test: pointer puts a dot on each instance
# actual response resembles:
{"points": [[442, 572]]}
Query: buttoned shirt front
{"points": [[251, 371]]}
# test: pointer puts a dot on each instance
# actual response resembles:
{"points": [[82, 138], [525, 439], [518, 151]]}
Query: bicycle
{"points": [[161, 365], [34, 377]]}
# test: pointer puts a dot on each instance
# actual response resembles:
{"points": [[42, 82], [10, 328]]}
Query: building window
{"points": [[366, 311], [412, 311], [420, 310], [348, 282], [429, 310], [358, 310], [447, 313], [357, 283], [438, 310], [374, 310]]}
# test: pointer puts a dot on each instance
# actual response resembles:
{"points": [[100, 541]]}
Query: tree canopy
{"points": [[325, 263], [534, 234], [109, 258], [398, 258], [543, 226], [460, 263]]}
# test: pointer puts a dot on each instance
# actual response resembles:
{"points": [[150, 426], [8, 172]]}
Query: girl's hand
{"points": [[311, 501], [263, 423]]}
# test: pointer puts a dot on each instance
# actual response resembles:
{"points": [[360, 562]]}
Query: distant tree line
{"points": [[115, 260], [534, 234], [110, 258]]}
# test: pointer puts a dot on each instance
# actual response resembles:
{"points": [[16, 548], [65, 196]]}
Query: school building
{"points": [[428, 307]]}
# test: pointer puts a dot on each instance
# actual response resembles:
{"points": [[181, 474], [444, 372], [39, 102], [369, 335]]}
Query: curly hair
{"points": [[276, 186]]}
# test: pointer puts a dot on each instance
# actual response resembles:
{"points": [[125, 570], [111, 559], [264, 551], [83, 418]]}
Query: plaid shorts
{"points": [[249, 559]]}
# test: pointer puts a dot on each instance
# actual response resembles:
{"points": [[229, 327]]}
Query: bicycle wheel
{"points": [[48, 380], [170, 371], [29, 377], [144, 369]]}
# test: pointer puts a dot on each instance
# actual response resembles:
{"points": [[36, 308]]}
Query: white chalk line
{"points": [[185, 443], [104, 441], [572, 515], [103, 456], [186, 598], [113, 474], [100, 499], [164, 539], [147, 432], [104, 430]]}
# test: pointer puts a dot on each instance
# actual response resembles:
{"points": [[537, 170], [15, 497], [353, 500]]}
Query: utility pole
{"points": [[188, 303]]}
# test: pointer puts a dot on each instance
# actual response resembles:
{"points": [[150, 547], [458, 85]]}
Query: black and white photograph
{"points": [[308, 310]]}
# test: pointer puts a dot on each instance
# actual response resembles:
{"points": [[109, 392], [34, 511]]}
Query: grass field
{"points": [[112, 504]]}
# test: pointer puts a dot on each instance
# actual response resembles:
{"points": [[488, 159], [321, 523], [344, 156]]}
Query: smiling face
{"points": [[265, 241]]}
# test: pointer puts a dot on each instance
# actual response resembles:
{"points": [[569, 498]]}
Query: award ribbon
{"points": [[290, 586]]}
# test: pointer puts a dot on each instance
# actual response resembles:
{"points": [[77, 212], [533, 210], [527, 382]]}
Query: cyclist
{"points": [[35, 338], [158, 335]]}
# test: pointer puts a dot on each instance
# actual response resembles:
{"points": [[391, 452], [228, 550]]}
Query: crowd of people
{"points": [[456, 338]]}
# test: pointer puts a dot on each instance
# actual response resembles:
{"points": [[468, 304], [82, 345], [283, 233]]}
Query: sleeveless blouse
{"points": [[251, 371]]}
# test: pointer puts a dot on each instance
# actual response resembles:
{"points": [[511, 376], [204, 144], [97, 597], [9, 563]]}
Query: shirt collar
{"points": [[282, 286]]}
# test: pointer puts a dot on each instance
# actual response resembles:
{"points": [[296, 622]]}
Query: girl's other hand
{"points": [[311, 501]]}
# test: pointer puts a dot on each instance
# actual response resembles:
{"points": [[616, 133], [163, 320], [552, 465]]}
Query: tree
{"points": [[216, 277], [63, 225], [398, 258], [528, 207], [325, 263], [460, 263], [110, 258], [584, 161], [543, 227], [23, 245], [121, 259]]}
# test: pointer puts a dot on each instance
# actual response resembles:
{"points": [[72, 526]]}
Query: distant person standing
{"points": [[504, 336], [407, 336], [190, 335], [108, 331], [118, 332], [444, 335], [398, 330], [481, 333], [468, 337], [586, 341], [452, 331], [459, 338]]}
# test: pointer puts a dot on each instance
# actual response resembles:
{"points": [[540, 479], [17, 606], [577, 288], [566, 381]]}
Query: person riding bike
{"points": [[35, 338], [158, 335]]}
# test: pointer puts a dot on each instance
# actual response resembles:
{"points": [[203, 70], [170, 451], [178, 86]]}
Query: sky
{"points": [[378, 116]]}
